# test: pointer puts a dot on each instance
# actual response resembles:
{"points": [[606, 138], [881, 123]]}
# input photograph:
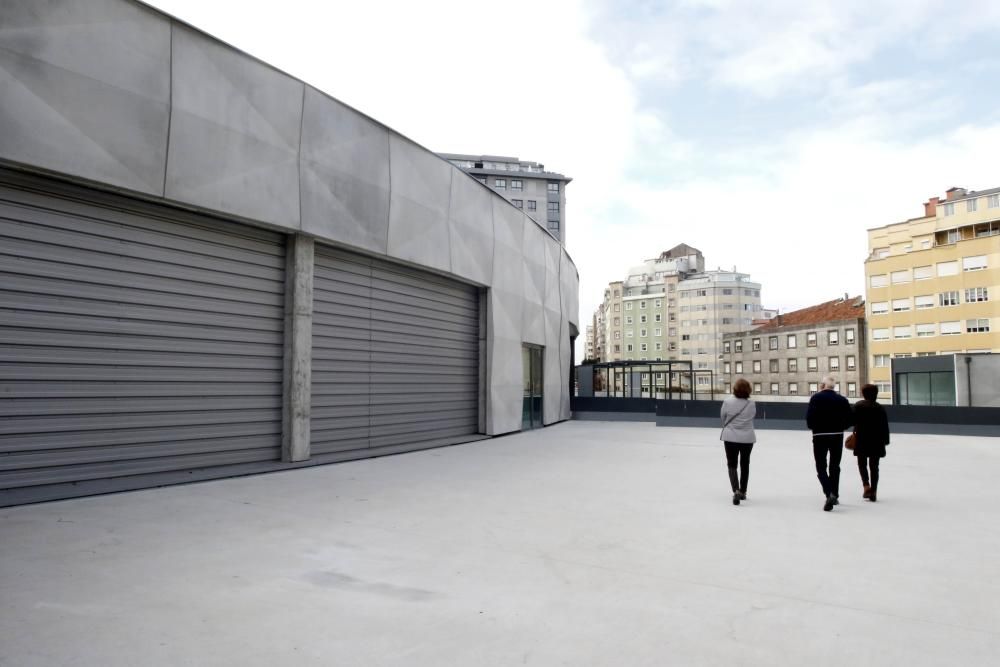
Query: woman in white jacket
{"points": [[738, 413]]}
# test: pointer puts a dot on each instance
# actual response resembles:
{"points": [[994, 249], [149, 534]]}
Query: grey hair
{"points": [[828, 382]]}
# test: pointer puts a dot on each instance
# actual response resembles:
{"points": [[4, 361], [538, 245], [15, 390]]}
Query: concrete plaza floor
{"points": [[586, 543]]}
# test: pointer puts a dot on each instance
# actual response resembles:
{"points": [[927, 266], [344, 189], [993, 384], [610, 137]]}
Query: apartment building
{"points": [[932, 282], [527, 185], [589, 342], [785, 357], [671, 308]]}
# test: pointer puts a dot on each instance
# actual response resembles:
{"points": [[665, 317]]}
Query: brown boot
{"points": [[868, 492]]}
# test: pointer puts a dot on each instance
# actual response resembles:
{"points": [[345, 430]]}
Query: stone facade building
{"points": [[785, 359]]}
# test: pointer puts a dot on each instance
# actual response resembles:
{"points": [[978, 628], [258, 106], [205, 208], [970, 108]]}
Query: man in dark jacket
{"points": [[828, 416]]}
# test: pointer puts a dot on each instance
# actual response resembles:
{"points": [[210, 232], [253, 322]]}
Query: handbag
{"points": [[730, 420], [851, 441]]}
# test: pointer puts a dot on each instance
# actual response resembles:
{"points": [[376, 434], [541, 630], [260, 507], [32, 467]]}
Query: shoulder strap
{"points": [[730, 420]]}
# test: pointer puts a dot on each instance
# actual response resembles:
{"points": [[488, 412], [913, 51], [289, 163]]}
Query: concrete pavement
{"points": [[586, 543]]}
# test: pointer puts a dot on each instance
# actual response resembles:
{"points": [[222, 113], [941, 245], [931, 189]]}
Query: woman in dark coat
{"points": [[871, 435]]}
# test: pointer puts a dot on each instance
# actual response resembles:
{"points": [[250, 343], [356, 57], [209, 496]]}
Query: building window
{"points": [[642, 305], [974, 294], [756, 365], [739, 367], [772, 343], [849, 336], [950, 328], [993, 201], [851, 362], [947, 269], [812, 364], [852, 388], [949, 209], [981, 325], [793, 365], [554, 188], [726, 347], [902, 332], [642, 319], [813, 387], [880, 307], [618, 321], [726, 368], [519, 203], [811, 339], [834, 363], [774, 387], [791, 341], [880, 360], [628, 347], [618, 335], [657, 331], [516, 185], [628, 306], [739, 345], [974, 263], [793, 388], [926, 330], [971, 205], [532, 205], [501, 184], [923, 272], [948, 298], [553, 207], [628, 318], [618, 348], [658, 346], [772, 365], [618, 307], [658, 303], [900, 276], [880, 280], [756, 388], [658, 317], [642, 333], [833, 337], [756, 344], [628, 333], [643, 347], [900, 305], [924, 301]]}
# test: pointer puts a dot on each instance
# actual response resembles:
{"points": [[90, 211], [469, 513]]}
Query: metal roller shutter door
{"points": [[132, 343], [395, 355]]}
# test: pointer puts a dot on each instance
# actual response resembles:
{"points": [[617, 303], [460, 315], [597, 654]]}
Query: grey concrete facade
{"points": [[765, 357], [117, 96]]}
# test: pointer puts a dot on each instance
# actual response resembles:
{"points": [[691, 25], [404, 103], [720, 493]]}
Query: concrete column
{"points": [[295, 444]]}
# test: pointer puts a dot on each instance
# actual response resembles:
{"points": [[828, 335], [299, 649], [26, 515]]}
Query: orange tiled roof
{"points": [[838, 309]]}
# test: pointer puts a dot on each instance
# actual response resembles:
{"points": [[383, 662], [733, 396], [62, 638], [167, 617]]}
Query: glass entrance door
{"points": [[531, 409]]}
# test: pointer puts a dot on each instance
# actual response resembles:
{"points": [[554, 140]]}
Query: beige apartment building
{"points": [[933, 282]]}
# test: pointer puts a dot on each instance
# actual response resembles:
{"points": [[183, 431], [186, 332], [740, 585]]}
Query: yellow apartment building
{"points": [[933, 282]]}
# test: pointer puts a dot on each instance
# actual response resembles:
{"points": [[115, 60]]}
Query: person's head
{"points": [[741, 389], [828, 382], [870, 392]]}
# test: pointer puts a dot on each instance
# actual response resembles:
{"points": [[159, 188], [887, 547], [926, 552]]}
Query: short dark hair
{"points": [[741, 389], [870, 392]]}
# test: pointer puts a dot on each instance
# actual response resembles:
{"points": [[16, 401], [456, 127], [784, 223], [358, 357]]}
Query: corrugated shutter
{"points": [[132, 343], [395, 355]]}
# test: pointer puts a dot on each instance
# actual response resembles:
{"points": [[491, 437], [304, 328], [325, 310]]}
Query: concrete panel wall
{"points": [[234, 132], [504, 323], [344, 174], [113, 93], [86, 90]]}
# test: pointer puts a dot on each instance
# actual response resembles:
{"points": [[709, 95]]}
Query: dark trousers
{"points": [[863, 464], [740, 451], [834, 446]]}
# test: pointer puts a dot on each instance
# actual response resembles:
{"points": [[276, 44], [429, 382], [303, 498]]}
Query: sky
{"points": [[769, 134]]}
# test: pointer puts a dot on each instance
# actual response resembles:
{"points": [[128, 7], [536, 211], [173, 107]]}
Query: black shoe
{"points": [[872, 496], [831, 500], [736, 498], [836, 500], [743, 495]]}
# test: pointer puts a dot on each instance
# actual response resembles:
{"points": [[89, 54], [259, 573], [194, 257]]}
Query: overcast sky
{"points": [[769, 134]]}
